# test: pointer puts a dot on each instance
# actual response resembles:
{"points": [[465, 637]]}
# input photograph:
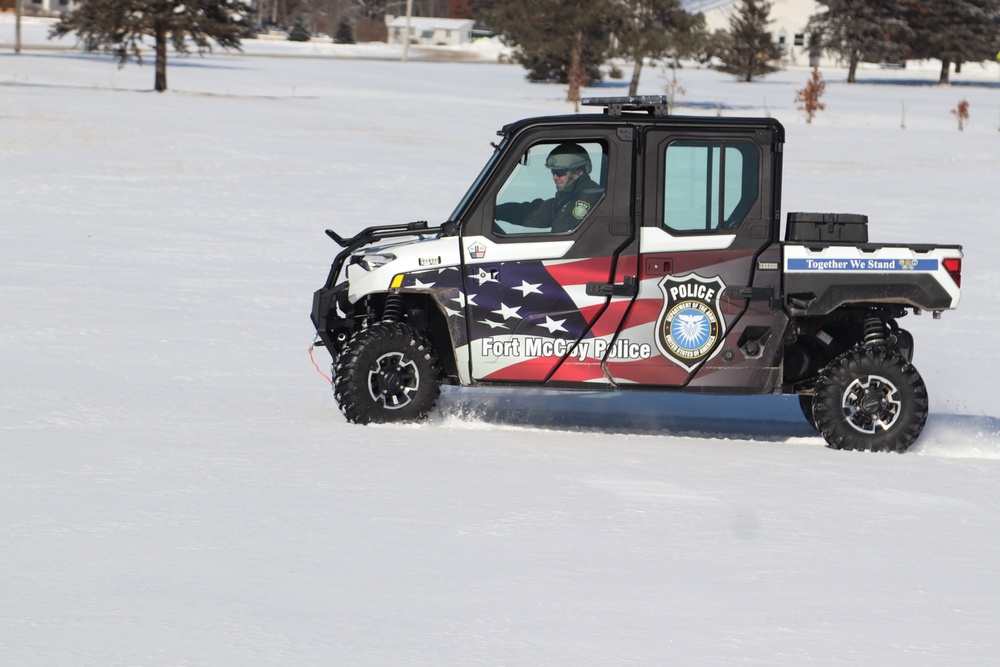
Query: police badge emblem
{"points": [[690, 324], [581, 210]]}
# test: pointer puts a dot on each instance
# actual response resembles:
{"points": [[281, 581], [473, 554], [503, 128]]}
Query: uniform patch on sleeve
{"points": [[581, 209]]}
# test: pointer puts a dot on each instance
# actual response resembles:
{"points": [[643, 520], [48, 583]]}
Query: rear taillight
{"points": [[953, 266]]}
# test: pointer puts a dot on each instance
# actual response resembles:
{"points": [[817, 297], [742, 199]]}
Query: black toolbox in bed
{"points": [[827, 227]]}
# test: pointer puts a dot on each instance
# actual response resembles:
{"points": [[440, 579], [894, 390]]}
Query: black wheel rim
{"points": [[393, 380], [871, 404]]}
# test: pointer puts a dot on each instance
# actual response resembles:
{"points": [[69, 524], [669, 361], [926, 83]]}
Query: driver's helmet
{"points": [[568, 156]]}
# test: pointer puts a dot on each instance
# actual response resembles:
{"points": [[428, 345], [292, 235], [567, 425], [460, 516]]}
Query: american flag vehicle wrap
{"points": [[533, 321]]}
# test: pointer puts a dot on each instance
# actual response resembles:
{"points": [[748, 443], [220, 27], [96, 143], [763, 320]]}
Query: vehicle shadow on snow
{"points": [[761, 418], [769, 418]]}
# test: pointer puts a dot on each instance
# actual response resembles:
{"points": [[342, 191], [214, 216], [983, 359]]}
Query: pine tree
{"points": [[862, 31], [300, 32], [556, 40], [953, 31], [750, 50], [345, 33], [649, 29], [119, 26]]}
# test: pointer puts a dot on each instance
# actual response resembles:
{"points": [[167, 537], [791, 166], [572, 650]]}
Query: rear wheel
{"points": [[870, 398], [386, 373]]}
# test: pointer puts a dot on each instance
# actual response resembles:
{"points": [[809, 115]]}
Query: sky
{"points": [[179, 488]]}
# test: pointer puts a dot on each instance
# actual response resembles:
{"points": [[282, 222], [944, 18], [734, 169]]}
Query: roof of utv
{"points": [[644, 110]]}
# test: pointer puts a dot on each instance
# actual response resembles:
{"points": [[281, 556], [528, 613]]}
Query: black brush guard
{"points": [[332, 329]]}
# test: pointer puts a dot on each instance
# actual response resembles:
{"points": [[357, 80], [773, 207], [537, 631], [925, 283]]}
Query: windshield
{"points": [[456, 214]]}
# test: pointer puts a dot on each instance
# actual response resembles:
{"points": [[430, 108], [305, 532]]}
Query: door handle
{"points": [[487, 275], [629, 287], [658, 265]]}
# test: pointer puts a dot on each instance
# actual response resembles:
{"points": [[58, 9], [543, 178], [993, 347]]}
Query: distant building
{"points": [[38, 7], [788, 24], [430, 31]]}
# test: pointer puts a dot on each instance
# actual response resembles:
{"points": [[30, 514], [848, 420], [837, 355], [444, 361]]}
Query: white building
{"points": [[430, 31], [788, 23]]}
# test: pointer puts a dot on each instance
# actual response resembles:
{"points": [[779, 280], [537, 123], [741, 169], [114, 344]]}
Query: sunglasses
{"points": [[559, 173]]}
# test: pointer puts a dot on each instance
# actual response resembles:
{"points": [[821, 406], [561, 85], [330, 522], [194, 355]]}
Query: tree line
{"points": [[569, 41], [952, 31]]}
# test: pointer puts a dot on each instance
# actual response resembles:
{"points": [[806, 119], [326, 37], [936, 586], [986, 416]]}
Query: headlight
{"points": [[374, 261]]}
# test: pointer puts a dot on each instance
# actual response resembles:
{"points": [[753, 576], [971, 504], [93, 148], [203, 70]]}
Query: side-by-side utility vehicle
{"points": [[634, 250]]}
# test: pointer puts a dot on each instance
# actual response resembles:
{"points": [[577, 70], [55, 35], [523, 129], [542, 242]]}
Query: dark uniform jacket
{"points": [[562, 213]]}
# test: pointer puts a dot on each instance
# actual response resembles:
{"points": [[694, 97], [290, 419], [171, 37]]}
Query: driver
{"points": [[576, 194]]}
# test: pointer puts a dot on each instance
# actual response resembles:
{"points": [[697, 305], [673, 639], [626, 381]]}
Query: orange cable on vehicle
{"points": [[316, 366]]}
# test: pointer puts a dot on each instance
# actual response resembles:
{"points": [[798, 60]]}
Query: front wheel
{"points": [[386, 373], [870, 398]]}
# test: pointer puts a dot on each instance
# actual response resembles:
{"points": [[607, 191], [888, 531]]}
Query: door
{"points": [[704, 261], [542, 251]]}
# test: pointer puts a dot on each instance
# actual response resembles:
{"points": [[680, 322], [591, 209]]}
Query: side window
{"points": [[552, 189], [708, 185]]}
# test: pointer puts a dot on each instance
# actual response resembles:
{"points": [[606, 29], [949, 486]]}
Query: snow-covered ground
{"points": [[178, 488]]}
